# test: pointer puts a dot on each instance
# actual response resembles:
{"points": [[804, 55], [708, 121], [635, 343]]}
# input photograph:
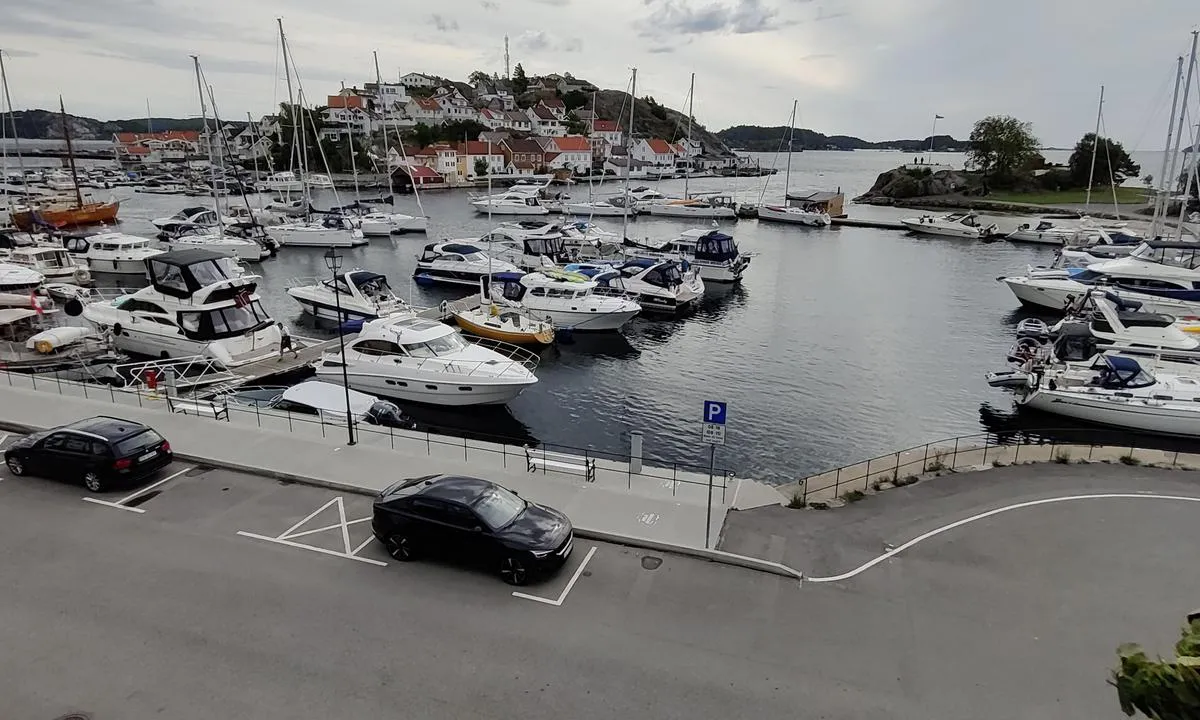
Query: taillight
{"points": [[122, 464], [166, 446]]}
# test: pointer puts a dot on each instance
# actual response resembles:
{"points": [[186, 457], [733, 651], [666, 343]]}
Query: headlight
{"points": [[539, 554]]}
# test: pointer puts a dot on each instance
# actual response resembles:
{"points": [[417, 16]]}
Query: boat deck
{"points": [[308, 350]]}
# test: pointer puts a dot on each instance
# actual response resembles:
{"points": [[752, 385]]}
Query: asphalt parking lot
{"points": [[230, 595]]}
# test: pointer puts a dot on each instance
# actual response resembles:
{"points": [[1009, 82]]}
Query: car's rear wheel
{"points": [[15, 464], [400, 547], [92, 481], [514, 570]]}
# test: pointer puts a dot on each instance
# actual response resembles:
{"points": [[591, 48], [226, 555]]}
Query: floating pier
{"points": [[874, 224]]}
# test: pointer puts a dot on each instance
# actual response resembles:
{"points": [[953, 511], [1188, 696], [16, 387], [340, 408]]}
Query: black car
{"points": [[472, 519], [100, 452]]}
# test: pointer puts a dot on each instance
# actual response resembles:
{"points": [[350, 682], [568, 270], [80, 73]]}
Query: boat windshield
{"points": [[224, 322], [1174, 256], [544, 246], [499, 507], [443, 345]]}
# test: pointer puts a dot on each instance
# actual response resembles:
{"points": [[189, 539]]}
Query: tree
{"points": [[478, 78], [519, 81], [283, 153], [424, 135], [574, 99], [1000, 145], [1113, 163], [1160, 689], [481, 166]]}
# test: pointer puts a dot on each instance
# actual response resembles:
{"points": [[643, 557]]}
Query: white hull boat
{"points": [[333, 232], [957, 225], [361, 295], [569, 300], [119, 254], [694, 210], [593, 209], [511, 205], [451, 263], [227, 245], [793, 215], [384, 224], [54, 263]]}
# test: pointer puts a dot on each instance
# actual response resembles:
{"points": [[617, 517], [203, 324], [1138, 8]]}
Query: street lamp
{"points": [[333, 261]]}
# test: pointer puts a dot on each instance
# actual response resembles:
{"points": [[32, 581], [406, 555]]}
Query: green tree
{"points": [[1000, 145], [423, 134], [519, 81], [575, 99], [481, 166], [284, 149], [1113, 163], [478, 78], [1160, 689]]}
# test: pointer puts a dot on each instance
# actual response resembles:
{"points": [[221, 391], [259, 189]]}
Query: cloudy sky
{"points": [[878, 69]]}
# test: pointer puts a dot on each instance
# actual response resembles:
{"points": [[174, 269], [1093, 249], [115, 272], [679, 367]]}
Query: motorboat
{"points": [[220, 240], [19, 279], [119, 254], [188, 218], [657, 285], [641, 198], [198, 304], [419, 360], [1118, 391], [1161, 275], [54, 263], [794, 215], [1045, 232], [520, 189], [570, 300], [597, 208], [511, 203], [361, 294], [454, 263], [29, 345], [713, 253], [529, 252], [506, 323], [328, 231], [325, 400], [959, 225], [158, 187], [60, 181], [382, 224], [714, 208], [285, 182]]}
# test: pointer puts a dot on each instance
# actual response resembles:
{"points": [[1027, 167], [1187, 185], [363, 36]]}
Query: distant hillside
{"points": [[769, 139], [47, 125], [653, 120]]}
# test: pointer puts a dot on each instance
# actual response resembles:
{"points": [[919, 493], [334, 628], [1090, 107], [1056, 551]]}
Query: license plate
{"points": [[147, 456]]}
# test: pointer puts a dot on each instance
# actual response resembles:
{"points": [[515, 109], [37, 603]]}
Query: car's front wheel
{"points": [[93, 482], [514, 570], [400, 547], [15, 464]]}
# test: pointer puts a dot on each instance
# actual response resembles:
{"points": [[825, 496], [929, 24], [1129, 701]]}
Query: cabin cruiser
{"points": [[329, 231], [657, 285], [1118, 391], [713, 253], [528, 253], [381, 224], [19, 279], [640, 198], [418, 360], [198, 303], [325, 401], [598, 208], [247, 243], [713, 208], [454, 263], [569, 300], [54, 263], [522, 189], [119, 254], [1047, 233], [1164, 276], [188, 218], [960, 225], [289, 182], [794, 215], [361, 294], [511, 203]]}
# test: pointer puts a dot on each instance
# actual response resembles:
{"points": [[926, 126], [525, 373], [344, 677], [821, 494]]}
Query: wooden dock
{"points": [[874, 224]]}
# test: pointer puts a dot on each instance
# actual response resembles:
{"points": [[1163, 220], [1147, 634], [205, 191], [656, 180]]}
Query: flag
{"points": [[35, 304], [939, 117]]}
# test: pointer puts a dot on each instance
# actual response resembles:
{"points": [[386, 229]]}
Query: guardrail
{"points": [[996, 449]]}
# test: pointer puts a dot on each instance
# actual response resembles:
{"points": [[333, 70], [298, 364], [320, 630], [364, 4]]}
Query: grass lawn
{"points": [[1100, 196]]}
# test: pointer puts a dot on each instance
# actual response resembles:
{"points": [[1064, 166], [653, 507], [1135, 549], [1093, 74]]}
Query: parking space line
{"points": [[288, 537], [302, 546], [293, 536], [120, 504], [570, 584]]}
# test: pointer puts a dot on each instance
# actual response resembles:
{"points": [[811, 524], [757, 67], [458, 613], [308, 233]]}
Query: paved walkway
{"points": [[659, 504]]}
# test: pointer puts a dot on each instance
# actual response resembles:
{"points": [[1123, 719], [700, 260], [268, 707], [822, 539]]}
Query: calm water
{"points": [[839, 344]]}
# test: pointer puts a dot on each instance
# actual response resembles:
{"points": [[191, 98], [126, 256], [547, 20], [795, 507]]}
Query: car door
{"points": [[50, 459], [429, 524], [466, 534], [77, 456]]}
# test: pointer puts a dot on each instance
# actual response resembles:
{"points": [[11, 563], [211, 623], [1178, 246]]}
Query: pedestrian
{"points": [[285, 342]]}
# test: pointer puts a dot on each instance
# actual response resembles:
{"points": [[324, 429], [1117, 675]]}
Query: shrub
{"points": [[796, 501], [906, 480], [852, 496], [1062, 457], [1129, 459], [997, 463], [816, 505]]}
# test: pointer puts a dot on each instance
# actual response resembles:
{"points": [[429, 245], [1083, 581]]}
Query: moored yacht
{"points": [[960, 225], [657, 285], [569, 300], [54, 263], [597, 208], [511, 203], [197, 304], [328, 231], [419, 360], [19, 279], [454, 263], [223, 241], [361, 294], [119, 254], [710, 208], [794, 215], [713, 253], [188, 218]]}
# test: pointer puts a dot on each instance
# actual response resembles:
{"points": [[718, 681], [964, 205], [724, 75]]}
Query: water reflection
{"points": [[480, 422], [1022, 424]]}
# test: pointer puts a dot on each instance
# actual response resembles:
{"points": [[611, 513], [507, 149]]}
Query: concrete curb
{"points": [[716, 556]]}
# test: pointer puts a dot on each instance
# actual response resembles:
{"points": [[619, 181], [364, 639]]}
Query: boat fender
{"points": [[74, 307], [117, 329], [81, 276], [445, 307], [44, 347]]}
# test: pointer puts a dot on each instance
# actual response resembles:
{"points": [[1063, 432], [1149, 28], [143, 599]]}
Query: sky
{"points": [[876, 69]]}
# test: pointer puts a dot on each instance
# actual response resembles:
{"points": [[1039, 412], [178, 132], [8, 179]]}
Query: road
{"points": [[172, 613]]}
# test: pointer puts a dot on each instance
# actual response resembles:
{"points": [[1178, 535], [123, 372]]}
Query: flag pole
{"points": [[929, 155]]}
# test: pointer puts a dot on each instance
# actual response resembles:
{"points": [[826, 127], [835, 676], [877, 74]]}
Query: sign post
{"points": [[713, 433]]}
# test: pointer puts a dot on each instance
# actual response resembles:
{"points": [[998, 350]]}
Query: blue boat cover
{"points": [[459, 248]]}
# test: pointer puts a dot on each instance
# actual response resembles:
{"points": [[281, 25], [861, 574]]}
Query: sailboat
{"points": [[333, 230], [511, 324], [593, 208], [691, 207], [785, 213]]}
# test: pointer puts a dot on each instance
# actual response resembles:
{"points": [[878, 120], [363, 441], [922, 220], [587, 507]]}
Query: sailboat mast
{"points": [[1183, 113], [687, 169], [400, 143], [296, 126], [1160, 196], [787, 176], [70, 152], [208, 139], [350, 140], [1087, 200], [13, 122], [629, 155]]}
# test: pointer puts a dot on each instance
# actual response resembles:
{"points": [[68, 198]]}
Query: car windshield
{"points": [[499, 507], [144, 439]]}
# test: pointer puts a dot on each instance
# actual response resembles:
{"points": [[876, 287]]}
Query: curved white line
{"points": [[896, 551]]}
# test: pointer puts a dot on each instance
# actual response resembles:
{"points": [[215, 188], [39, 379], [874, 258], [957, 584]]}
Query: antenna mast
{"points": [[506, 75]]}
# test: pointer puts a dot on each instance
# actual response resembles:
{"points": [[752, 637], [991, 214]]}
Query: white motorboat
{"points": [[959, 225], [216, 240], [511, 204], [418, 360], [713, 253], [529, 252], [53, 262], [794, 215], [657, 285], [1161, 275], [119, 254], [642, 197], [454, 263], [714, 208], [188, 218], [361, 294], [198, 304], [1118, 391], [1087, 232], [598, 208], [569, 300], [382, 224], [520, 189], [29, 345], [325, 400], [328, 231], [19, 279], [284, 182]]}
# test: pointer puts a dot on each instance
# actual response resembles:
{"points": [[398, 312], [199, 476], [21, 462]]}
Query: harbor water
{"points": [[839, 344]]}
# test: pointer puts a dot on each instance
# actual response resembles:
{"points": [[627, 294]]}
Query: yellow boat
{"points": [[506, 325]]}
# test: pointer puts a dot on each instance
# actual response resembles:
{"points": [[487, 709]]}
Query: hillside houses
{"points": [[157, 147]]}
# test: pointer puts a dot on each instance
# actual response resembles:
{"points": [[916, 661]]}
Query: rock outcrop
{"points": [[904, 183]]}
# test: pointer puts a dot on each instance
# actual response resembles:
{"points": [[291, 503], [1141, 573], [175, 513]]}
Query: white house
{"points": [[491, 119], [454, 105], [654, 151], [472, 150], [502, 98], [425, 110], [544, 121], [337, 119], [574, 152], [609, 131], [389, 96], [517, 120], [250, 143], [556, 107], [419, 80]]}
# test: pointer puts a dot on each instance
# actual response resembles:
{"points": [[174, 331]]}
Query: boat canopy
{"points": [[1121, 371], [183, 272], [550, 246], [510, 285], [459, 248], [328, 397], [716, 246]]}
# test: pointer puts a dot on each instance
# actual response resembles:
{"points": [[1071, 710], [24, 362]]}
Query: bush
{"points": [[1129, 459], [997, 463], [1055, 180], [819, 505], [796, 501], [852, 496], [1062, 457], [906, 480], [938, 463]]}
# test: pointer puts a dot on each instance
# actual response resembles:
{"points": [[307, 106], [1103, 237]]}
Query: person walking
{"points": [[285, 342]]}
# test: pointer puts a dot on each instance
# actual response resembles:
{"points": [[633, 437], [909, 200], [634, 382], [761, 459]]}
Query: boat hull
{"points": [[118, 266], [781, 215], [428, 391], [510, 209], [593, 211], [542, 336], [965, 233], [587, 321], [1130, 413], [325, 311], [87, 214], [306, 236], [690, 211]]}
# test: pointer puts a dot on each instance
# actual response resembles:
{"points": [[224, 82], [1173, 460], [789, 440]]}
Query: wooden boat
{"points": [[505, 324], [67, 215]]}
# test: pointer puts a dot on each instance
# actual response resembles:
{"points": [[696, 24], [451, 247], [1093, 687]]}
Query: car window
{"points": [[77, 444], [99, 448], [460, 516], [130, 445], [55, 442]]}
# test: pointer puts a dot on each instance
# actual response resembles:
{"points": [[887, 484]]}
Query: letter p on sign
{"points": [[714, 412]]}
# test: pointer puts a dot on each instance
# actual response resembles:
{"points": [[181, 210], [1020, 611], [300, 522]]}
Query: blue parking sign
{"points": [[714, 412]]}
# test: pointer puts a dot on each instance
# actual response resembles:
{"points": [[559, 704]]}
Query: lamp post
{"points": [[333, 261]]}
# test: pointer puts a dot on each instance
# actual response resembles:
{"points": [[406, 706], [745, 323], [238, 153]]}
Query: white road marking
{"points": [[302, 546], [120, 504], [293, 536], [310, 516], [570, 584], [112, 505], [938, 531]]}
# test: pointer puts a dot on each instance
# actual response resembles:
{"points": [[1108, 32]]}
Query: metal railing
{"points": [[997, 449]]}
